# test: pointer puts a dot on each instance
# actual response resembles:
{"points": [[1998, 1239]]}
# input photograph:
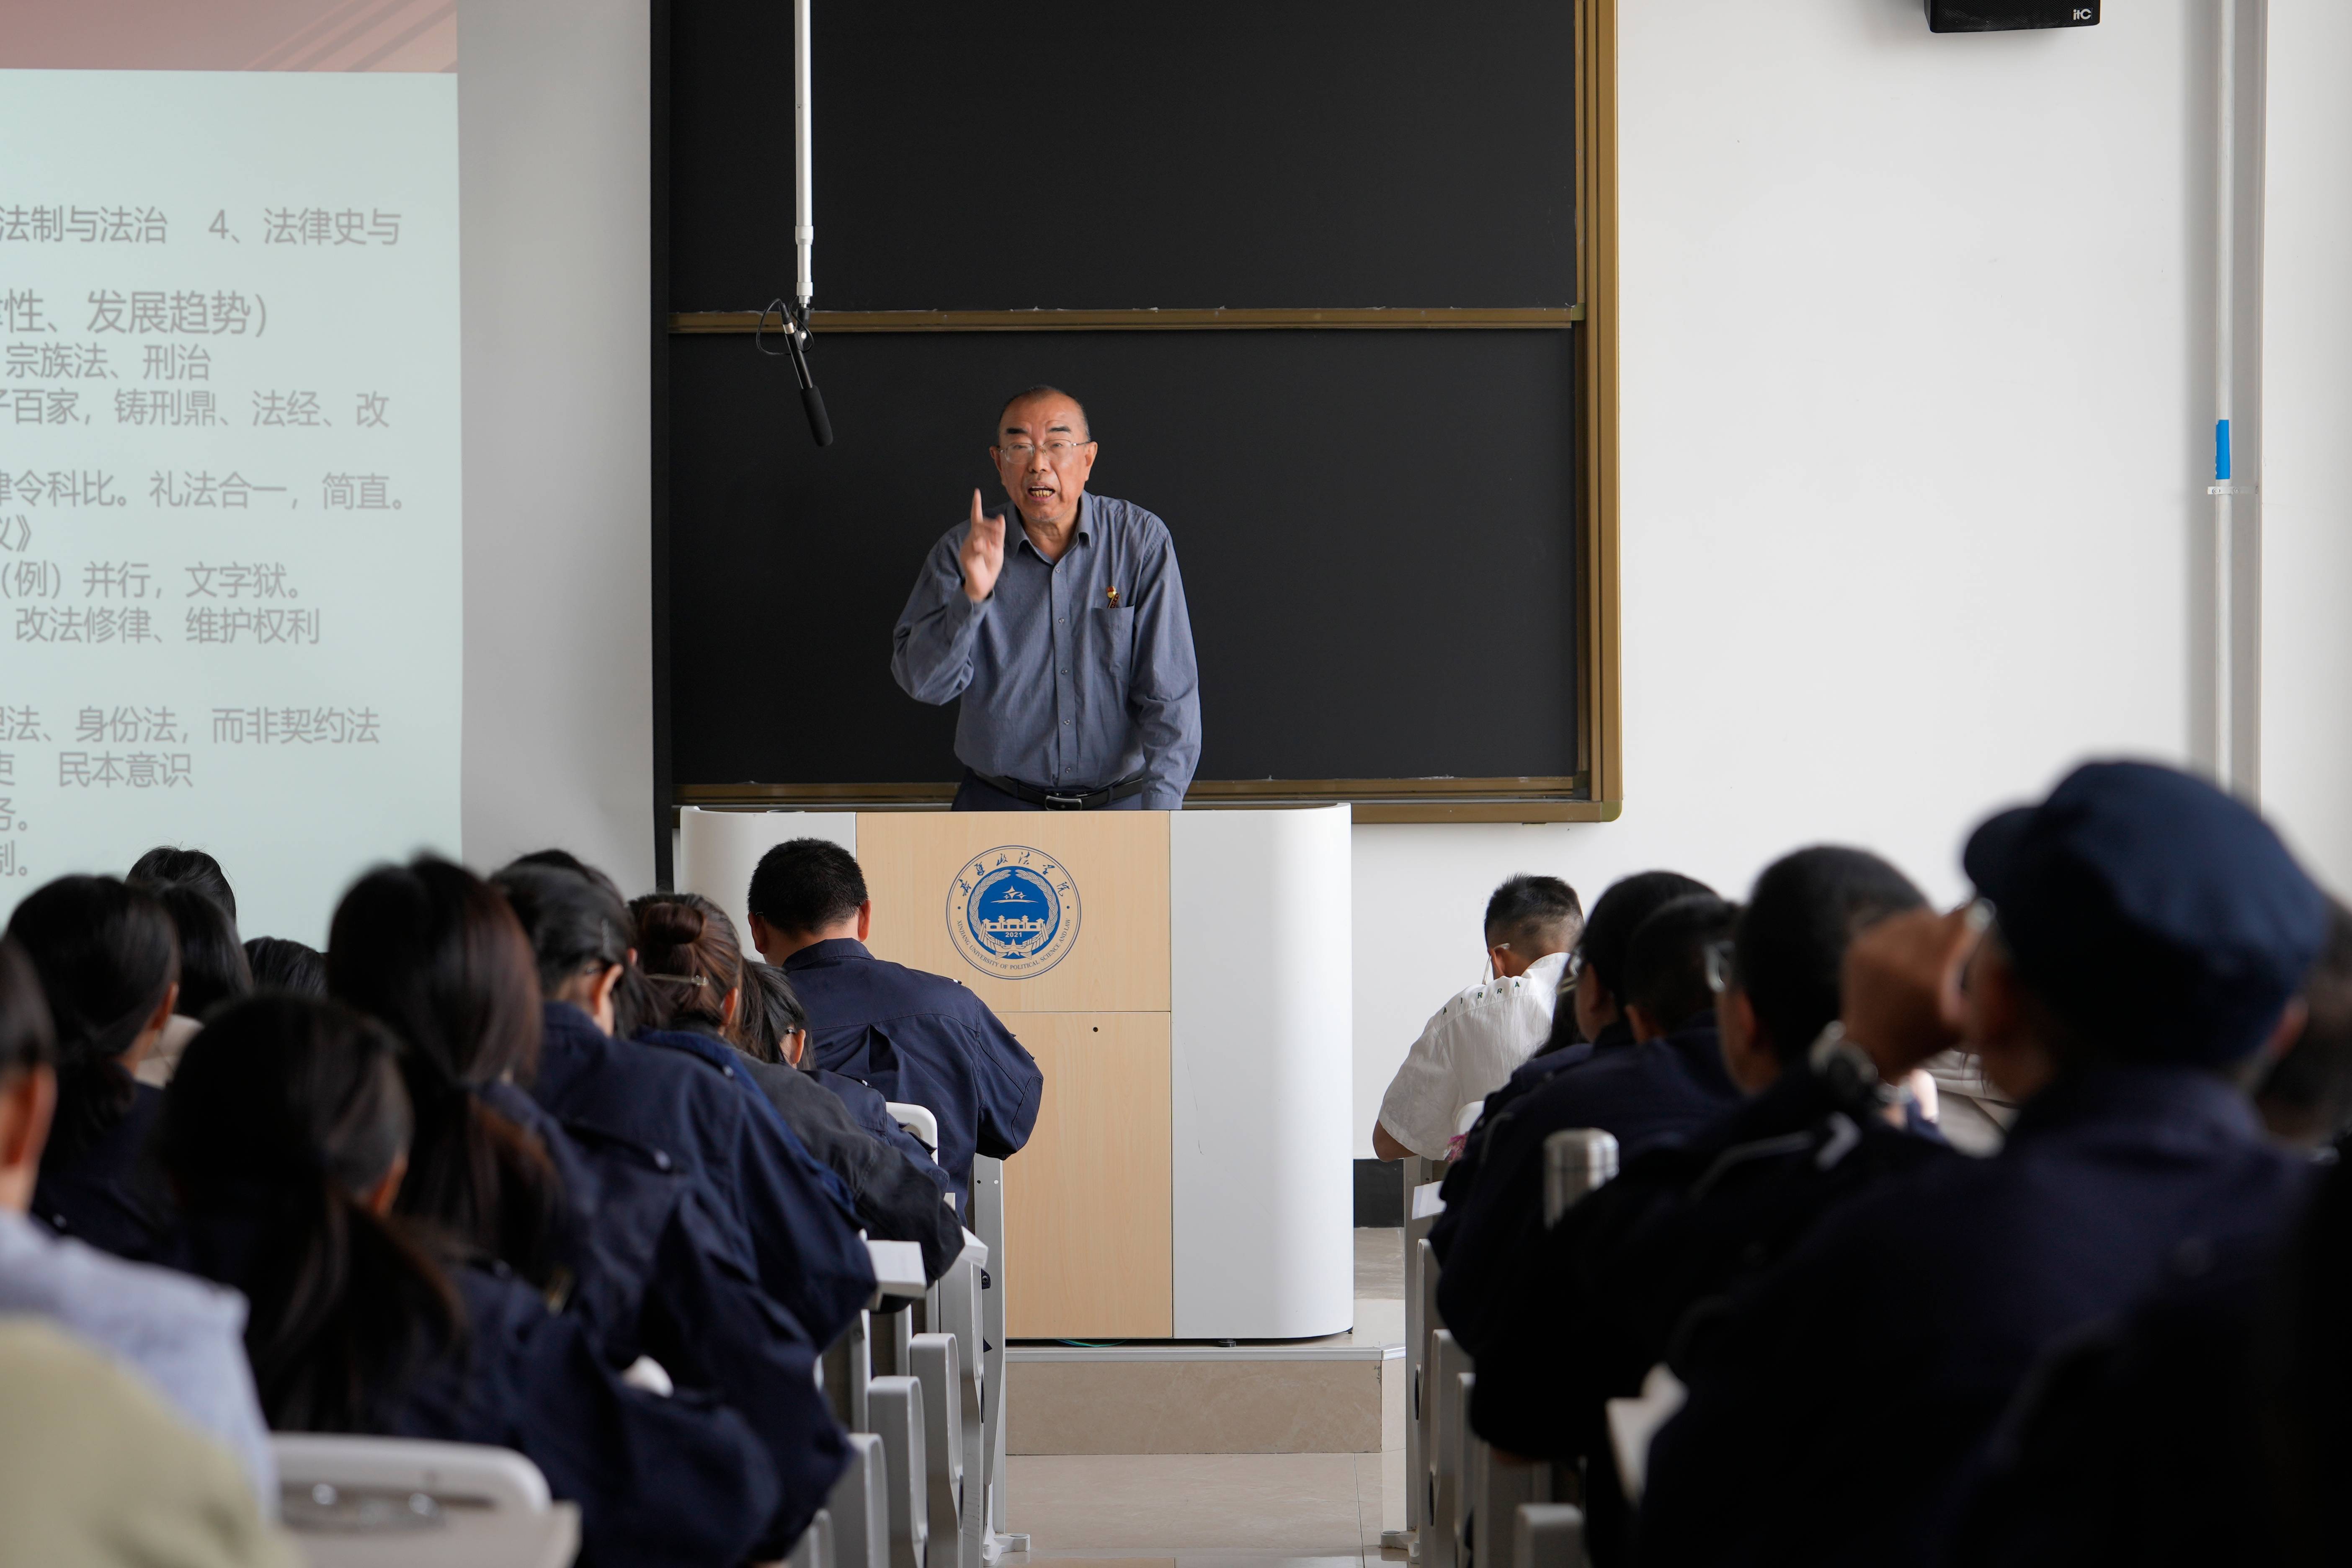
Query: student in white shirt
{"points": [[1470, 1045]]}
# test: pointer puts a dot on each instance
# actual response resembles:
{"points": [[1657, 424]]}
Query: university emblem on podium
{"points": [[1012, 912]]}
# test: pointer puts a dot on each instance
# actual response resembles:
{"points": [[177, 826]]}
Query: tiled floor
{"points": [[1225, 1511]]}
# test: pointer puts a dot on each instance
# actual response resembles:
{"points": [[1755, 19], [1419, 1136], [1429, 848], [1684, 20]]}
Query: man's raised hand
{"points": [[983, 553], [1902, 986]]}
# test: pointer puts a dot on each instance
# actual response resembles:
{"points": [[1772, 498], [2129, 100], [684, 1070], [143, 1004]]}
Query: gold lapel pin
{"points": [[1114, 597]]}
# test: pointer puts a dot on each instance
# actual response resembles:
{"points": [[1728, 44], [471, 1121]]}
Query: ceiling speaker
{"points": [[2007, 16]]}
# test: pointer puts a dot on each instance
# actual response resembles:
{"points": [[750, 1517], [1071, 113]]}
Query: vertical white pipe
{"points": [[2225, 364], [804, 194]]}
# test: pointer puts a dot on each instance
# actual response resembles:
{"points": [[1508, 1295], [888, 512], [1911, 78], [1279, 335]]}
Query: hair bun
{"points": [[666, 923]]}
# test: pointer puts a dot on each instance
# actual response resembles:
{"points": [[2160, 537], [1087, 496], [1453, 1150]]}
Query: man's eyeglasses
{"points": [[1056, 451], [1720, 971]]}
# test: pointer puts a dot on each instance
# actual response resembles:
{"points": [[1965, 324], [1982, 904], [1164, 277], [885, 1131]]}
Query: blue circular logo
{"points": [[1012, 912]]}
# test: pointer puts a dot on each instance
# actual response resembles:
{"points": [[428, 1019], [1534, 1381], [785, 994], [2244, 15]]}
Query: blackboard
{"points": [[1379, 531]]}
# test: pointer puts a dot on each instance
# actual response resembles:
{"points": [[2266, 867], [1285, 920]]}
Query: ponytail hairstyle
{"points": [[213, 967], [636, 1006], [576, 928], [285, 1113], [27, 1038], [164, 867], [432, 950], [770, 1013], [106, 956], [688, 947]]}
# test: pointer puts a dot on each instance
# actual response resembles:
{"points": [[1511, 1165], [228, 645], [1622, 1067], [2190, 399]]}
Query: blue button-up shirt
{"points": [[1064, 684]]}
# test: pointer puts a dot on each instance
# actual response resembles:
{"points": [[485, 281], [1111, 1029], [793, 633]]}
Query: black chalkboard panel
{"points": [[1374, 529], [1258, 153]]}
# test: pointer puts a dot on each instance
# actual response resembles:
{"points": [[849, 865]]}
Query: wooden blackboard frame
{"points": [[1595, 793]]}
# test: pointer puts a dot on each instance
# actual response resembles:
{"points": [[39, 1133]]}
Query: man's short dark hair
{"points": [[1530, 913], [1040, 390], [1630, 900], [1789, 950], [806, 885], [1666, 963]]}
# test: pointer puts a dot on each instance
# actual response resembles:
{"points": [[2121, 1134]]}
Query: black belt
{"points": [[1063, 800]]}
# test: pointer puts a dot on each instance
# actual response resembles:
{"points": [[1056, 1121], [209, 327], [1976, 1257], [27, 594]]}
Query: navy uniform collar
{"points": [[833, 950], [1086, 529], [2172, 1104]]}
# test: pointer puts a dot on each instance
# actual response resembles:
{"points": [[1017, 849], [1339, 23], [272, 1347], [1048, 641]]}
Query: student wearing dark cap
{"points": [[2147, 934], [1668, 1085], [1631, 1277], [919, 1039]]}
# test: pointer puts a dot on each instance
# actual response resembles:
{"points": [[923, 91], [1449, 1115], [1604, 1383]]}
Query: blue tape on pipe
{"points": [[2221, 450]]}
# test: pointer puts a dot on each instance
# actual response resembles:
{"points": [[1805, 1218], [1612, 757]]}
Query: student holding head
{"points": [[288, 1131], [1470, 1045], [2147, 935], [1668, 1085], [918, 1038], [213, 972], [109, 968], [182, 1336]]}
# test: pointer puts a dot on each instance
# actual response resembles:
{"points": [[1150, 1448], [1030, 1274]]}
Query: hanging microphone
{"points": [[812, 400], [796, 319]]}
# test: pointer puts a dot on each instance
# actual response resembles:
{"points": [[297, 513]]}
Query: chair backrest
{"points": [[496, 1478], [919, 1120], [896, 1405], [858, 1511]]}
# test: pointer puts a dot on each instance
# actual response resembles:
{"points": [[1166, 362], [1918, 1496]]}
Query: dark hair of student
{"points": [[1527, 909], [1789, 948], [2308, 1093], [281, 963], [688, 947], [26, 1037], [213, 968], [575, 927], [433, 950], [806, 885], [770, 1011], [283, 1115], [1609, 928], [635, 1004], [164, 867], [1666, 963], [106, 954]]}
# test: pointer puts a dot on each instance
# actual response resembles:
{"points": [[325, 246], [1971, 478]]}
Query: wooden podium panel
{"points": [[1117, 862], [1089, 1204]]}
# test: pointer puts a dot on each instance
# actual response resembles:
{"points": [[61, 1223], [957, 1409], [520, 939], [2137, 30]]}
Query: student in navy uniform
{"points": [[2148, 934], [1632, 1275], [2235, 1362], [1667, 1086], [1588, 1020], [918, 1038], [286, 1130], [109, 965], [900, 1190]]}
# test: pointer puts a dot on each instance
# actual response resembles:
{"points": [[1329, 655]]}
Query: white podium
{"points": [[1183, 978]]}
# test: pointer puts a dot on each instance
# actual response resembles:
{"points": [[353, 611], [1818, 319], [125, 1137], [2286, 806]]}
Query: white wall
{"points": [[1914, 443], [2307, 439], [556, 166]]}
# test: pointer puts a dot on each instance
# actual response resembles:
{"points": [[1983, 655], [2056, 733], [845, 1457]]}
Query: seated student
{"points": [[184, 1336], [636, 1006], [279, 963], [1628, 1277], [110, 969], [2233, 1364], [213, 971], [286, 1131], [900, 1191], [1593, 1022], [96, 1471], [1470, 1045], [1668, 1085], [166, 867], [2148, 933], [919, 1039]]}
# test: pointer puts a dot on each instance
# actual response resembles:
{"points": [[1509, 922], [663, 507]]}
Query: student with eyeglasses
{"points": [[1065, 639]]}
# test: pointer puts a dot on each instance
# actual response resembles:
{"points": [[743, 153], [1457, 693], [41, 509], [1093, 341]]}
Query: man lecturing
{"points": [[1069, 641]]}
